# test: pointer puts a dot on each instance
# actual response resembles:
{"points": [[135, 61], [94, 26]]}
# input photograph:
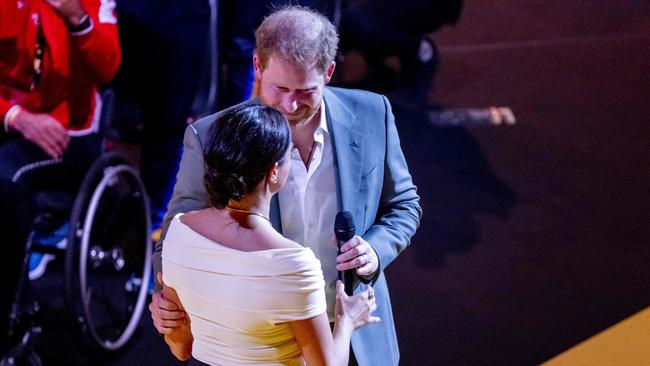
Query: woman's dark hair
{"points": [[244, 144]]}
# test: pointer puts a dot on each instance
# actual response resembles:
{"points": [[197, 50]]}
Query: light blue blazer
{"points": [[373, 183]]}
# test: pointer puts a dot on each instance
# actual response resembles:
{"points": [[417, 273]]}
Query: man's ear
{"points": [[257, 66], [330, 72]]}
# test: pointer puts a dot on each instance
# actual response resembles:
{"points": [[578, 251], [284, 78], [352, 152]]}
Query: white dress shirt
{"points": [[308, 205]]}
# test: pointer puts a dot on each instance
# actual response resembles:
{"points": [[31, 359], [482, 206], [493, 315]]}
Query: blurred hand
{"points": [[355, 311], [357, 253], [43, 130], [71, 11], [165, 312]]}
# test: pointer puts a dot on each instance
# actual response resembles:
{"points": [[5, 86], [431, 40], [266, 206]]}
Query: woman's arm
{"points": [[179, 339], [317, 343], [314, 338]]}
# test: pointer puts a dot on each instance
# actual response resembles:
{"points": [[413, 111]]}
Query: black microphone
{"points": [[345, 230]]}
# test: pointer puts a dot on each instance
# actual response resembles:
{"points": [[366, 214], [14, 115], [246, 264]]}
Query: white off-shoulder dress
{"points": [[240, 303]]}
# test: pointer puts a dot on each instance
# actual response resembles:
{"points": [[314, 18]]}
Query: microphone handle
{"points": [[347, 276]]}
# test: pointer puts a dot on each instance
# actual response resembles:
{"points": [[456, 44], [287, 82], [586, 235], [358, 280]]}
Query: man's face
{"points": [[294, 90]]}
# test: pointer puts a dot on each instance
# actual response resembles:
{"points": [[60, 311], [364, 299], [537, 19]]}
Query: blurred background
{"points": [[535, 234]]}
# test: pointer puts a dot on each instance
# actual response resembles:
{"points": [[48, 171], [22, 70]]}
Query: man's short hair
{"points": [[299, 35]]}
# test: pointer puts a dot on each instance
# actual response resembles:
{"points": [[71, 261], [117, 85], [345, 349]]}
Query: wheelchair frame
{"points": [[110, 194]]}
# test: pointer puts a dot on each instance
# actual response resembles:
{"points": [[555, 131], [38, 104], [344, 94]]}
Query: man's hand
{"points": [[71, 11], [43, 130], [357, 253], [165, 312]]}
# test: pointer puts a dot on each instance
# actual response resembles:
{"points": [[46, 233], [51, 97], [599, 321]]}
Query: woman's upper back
{"points": [[240, 301], [238, 230]]}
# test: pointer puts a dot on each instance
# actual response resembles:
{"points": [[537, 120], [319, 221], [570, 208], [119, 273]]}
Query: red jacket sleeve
{"points": [[5, 31], [4, 108], [99, 45]]}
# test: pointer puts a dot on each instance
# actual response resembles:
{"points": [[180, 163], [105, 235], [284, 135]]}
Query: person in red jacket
{"points": [[53, 56]]}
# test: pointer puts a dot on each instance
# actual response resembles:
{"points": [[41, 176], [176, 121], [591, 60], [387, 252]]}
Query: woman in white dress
{"points": [[252, 296]]}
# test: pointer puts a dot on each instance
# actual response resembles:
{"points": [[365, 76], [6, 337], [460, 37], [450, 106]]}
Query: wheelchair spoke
{"points": [[112, 257]]}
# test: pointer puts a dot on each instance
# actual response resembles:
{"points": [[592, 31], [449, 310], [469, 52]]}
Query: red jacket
{"points": [[73, 65]]}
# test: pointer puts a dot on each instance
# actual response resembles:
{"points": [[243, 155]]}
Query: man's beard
{"points": [[302, 116]]}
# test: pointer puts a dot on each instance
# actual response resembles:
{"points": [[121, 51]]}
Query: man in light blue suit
{"points": [[346, 156]]}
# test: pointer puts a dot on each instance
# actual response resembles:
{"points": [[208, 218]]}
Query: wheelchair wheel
{"points": [[30, 359], [108, 258]]}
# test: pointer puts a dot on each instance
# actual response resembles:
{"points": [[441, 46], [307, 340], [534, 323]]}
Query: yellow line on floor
{"points": [[625, 343]]}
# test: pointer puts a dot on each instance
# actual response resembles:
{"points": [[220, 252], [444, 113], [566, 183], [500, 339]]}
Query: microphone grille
{"points": [[344, 221]]}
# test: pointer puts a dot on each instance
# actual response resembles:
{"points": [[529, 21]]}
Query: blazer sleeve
{"points": [[189, 192], [399, 211]]}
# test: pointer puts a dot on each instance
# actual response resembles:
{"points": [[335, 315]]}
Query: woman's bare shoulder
{"points": [[208, 223], [193, 217], [219, 227], [271, 239]]}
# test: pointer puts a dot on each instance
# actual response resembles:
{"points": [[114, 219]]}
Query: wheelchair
{"points": [[106, 258]]}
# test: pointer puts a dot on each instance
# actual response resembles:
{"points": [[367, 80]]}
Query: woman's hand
{"points": [[355, 311]]}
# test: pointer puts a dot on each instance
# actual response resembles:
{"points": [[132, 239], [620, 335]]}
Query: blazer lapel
{"points": [[274, 213], [348, 154]]}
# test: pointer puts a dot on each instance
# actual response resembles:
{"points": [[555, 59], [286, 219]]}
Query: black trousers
{"points": [[25, 169]]}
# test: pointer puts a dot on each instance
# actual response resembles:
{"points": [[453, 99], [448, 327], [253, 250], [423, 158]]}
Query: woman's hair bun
{"points": [[223, 187], [242, 147]]}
